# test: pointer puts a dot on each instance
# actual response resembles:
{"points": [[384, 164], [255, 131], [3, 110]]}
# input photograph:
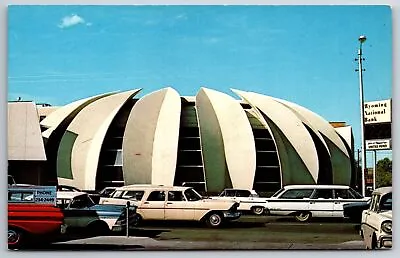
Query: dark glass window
{"points": [[323, 193], [156, 196], [175, 196], [297, 194], [136, 195], [242, 193]]}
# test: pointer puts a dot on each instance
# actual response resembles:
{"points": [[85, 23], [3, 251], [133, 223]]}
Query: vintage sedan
{"points": [[81, 213], [376, 222], [174, 203]]}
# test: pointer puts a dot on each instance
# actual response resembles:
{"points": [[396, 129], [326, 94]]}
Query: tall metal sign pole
{"points": [[362, 39]]}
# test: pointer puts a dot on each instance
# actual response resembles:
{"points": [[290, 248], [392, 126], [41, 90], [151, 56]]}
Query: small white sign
{"points": [[378, 144], [378, 112]]}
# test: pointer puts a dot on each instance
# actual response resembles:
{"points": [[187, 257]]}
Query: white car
{"points": [[307, 201], [81, 213], [174, 203], [249, 200], [376, 222]]}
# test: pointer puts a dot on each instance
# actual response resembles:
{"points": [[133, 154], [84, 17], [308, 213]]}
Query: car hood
{"points": [[386, 214]]}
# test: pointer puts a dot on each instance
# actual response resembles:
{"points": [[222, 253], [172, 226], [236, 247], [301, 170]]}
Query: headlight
{"points": [[387, 227]]}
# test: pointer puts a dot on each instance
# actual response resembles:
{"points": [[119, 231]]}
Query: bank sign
{"points": [[378, 112], [378, 144]]}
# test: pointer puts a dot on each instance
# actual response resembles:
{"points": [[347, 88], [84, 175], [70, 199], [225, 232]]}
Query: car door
{"points": [[342, 196], [321, 203], [292, 200], [245, 199], [153, 207], [77, 213], [177, 207]]}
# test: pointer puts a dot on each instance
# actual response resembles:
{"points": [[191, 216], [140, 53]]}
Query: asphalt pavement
{"points": [[147, 243]]}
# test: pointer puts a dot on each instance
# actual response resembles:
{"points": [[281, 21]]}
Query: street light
{"points": [[362, 39]]}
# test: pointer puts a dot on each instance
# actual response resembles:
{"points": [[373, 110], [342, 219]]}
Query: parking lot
{"points": [[248, 233]]}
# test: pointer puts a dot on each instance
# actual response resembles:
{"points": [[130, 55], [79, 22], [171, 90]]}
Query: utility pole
{"points": [[360, 70]]}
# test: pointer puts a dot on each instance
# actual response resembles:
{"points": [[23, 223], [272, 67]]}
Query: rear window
{"points": [[297, 194], [242, 193]]}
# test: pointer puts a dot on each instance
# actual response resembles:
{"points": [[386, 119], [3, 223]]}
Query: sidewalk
{"points": [[146, 243]]}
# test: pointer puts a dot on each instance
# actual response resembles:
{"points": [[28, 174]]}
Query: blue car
{"points": [[81, 213]]}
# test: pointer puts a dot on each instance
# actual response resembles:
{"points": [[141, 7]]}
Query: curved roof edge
{"points": [[142, 139], [54, 119], [84, 137], [237, 136], [290, 125]]}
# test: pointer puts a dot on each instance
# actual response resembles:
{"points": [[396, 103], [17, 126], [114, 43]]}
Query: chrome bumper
{"points": [[385, 242]]}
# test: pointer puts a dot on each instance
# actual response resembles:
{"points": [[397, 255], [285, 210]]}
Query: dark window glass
{"points": [[323, 194], [175, 196], [297, 194], [136, 195], [386, 202], [80, 202], [230, 193], [243, 193], [343, 194], [156, 196]]}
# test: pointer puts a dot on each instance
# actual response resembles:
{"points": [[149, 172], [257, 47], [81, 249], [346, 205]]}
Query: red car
{"points": [[32, 212]]}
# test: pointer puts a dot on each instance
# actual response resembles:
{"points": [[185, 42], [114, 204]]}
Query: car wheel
{"points": [[303, 216], [135, 220], [99, 228], [15, 237], [214, 220], [257, 210]]}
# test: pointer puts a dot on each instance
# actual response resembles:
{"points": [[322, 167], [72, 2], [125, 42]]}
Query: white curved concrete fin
{"points": [[150, 141], [237, 136], [318, 123], [85, 135], [54, 119], [290, 125], [166, 138]]}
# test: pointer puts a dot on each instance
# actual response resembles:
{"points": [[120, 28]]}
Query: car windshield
{"points": [[386, 202], [192, 195], [278, 192]]}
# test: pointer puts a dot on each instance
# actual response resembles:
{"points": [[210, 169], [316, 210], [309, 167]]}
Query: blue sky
{"points": [[303, 54]]}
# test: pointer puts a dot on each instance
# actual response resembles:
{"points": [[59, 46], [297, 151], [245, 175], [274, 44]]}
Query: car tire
{"points": [[98, 228], [136, 220], [303, 216], [214, 220], [257, 210], [15, 238]]}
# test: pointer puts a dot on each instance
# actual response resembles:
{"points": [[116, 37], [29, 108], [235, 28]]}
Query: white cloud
{"points": [[72, 20]]}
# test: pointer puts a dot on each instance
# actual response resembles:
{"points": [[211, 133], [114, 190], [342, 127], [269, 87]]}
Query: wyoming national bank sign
{"points": [[377, 114]]}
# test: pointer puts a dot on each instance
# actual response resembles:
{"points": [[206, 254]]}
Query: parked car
{"points": [[376, 221], [81, 213], [249, 200], [307, 201], [107, 191], [353, 211], [32, 215], [67, 188], [174, 203]]}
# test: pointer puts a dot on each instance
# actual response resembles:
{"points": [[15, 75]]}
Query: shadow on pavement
{"points": [[80, 247]]}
